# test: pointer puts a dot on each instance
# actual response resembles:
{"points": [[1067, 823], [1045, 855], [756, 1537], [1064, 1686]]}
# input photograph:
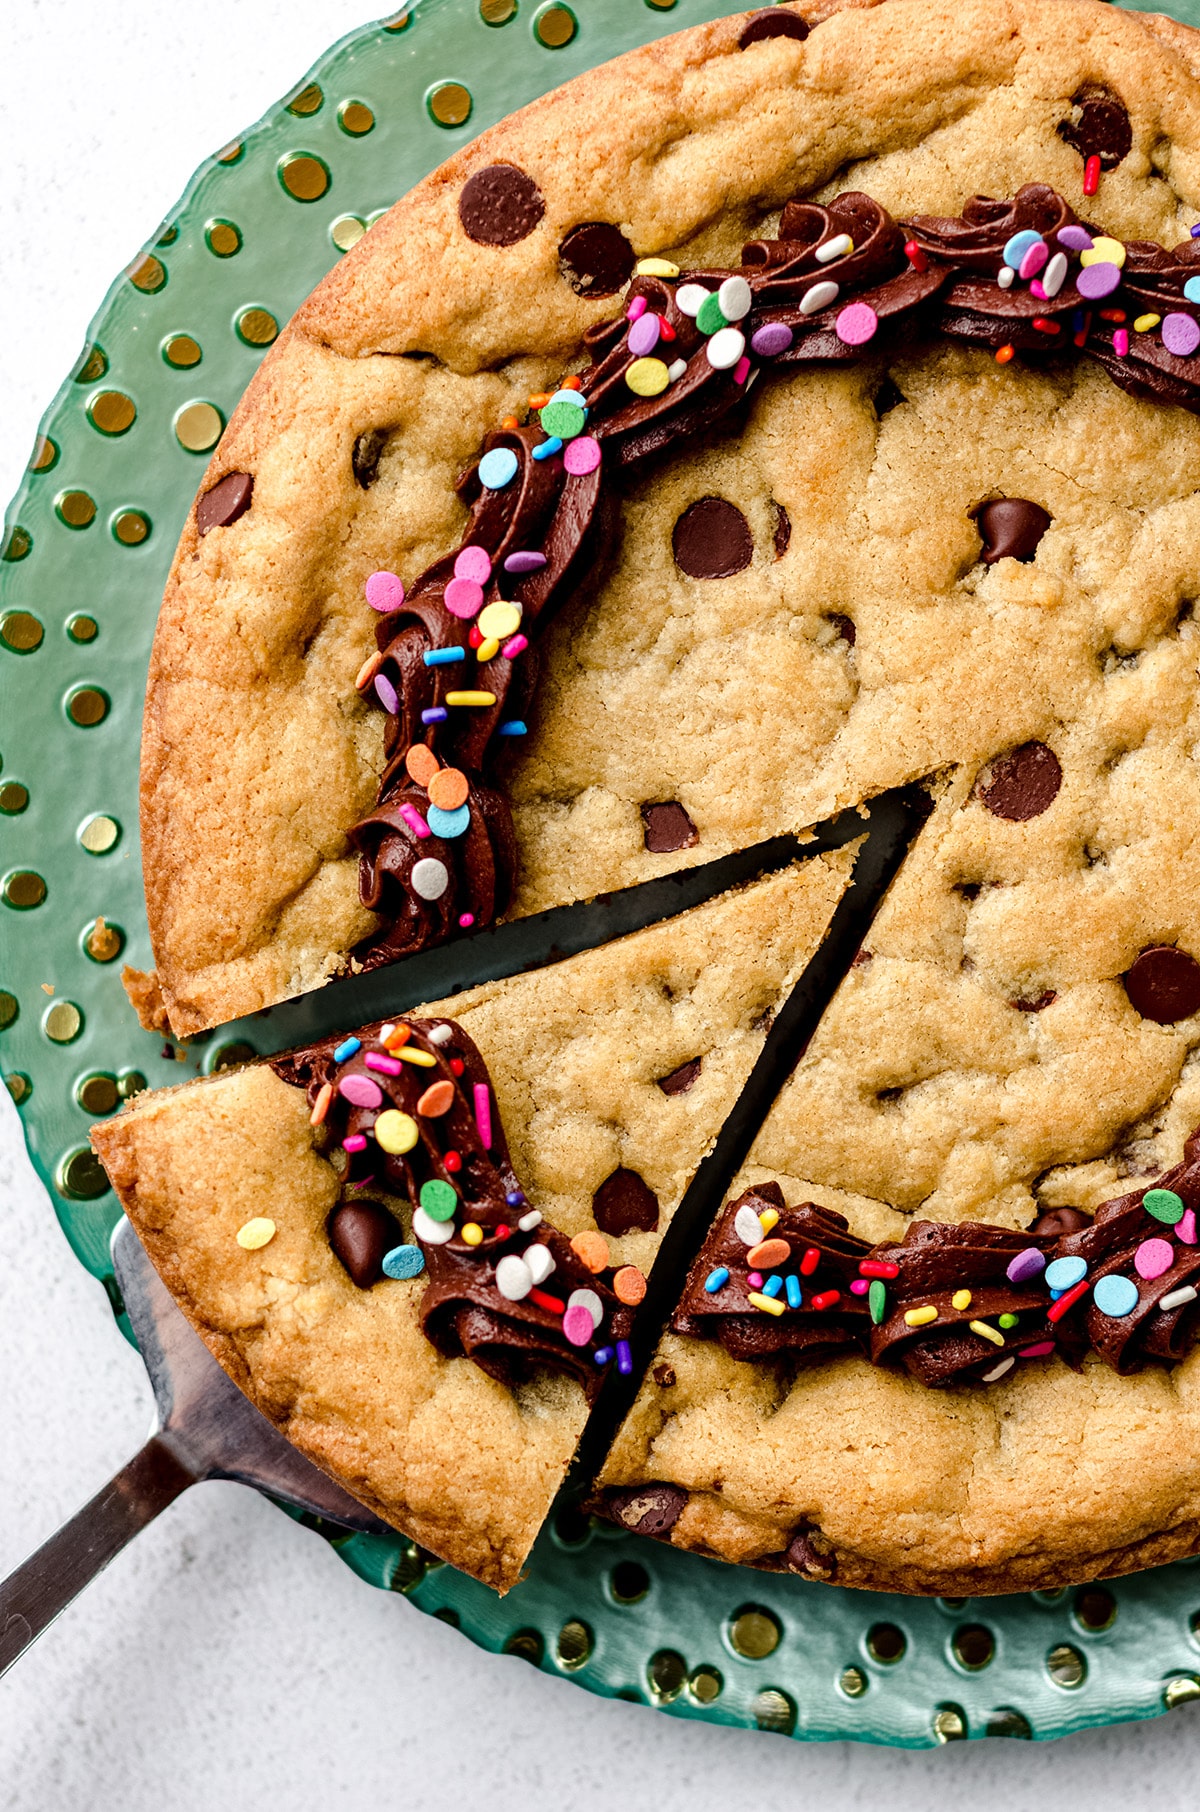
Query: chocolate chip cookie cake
{"points": [[799, 409]]}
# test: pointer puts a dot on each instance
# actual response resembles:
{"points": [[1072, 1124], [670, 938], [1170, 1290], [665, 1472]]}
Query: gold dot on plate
{"points": [[99, 834], [886, 1643], [308, 100], [526, 1645], [87, 707], [9, 1009], [76, 509], [346, 231], [555, 26], [45, 454], [754, 1633], [1066, 1666], [81, 1174], [1183, 1689], [398, 22], [93, 363], [182, 351], [21, 632], [198, 427], [130, 527], [356, 118], [103, 942], [257, 326], [13, 798], [130, 1083], [83, 629], [231, 153], [23, 889], [112, 412], [667, 1674], [228, 1056], [147, 273], [449, 103], [705, 1685], [303, 175], [168, 236], [853, 1682], [773, 1710], [497, 12], [63, 1022], [574, 1644], [661, 6], [15, 543], [98, 1094], [949, 1724], [222, 238], [18, 1085]]}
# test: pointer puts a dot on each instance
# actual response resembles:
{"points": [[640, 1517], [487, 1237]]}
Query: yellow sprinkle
{"points": [[499, 620], [256, 1233], [472, 1232], [961, 1299], [647, 377], [487, 650], [771, 1304], [422, 1059], [470, 698], [1144, 323], [396, 1132], [917, 1318], [1103, 251], [769, 1219], [982, 1328], [656, 267]]}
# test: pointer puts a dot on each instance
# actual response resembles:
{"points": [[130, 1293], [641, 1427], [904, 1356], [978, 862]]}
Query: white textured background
{"points": [[229, 1659]]}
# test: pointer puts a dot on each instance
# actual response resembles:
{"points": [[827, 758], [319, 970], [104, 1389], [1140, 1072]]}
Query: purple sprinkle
{"points": [[1026, 1265], [515, 1198], [385, 692], [771, 340], [1180, 335], [1075, 238], [1097, 281], [624, 1357], [527, 562], [437, 714], [1195, 231], [643, 335]]}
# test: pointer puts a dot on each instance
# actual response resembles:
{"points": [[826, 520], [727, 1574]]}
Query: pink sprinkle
{"points": [[385, 692], [1185, 1227], [414, 820], [473, 563], [1035, 289], [741, 370], [1121, 342], [483, 1115], [355, 1142], [387, 1066], [755, 1280], [516, 646], [1153, 1257], [384, 592], [636, 309], [856, 324], [1038, 1351], [466, 919], [581, 455], [1033, 260], [577, 1325], [463, 598], [360, 1091], [860, 1286]]}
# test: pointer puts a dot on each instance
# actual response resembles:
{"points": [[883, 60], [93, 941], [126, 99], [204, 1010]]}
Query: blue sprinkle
{"points": [[716, 1280], [437, 715], [548, 448], [514, 727], [498, 468], [1064, 1273], [1196, 231], [347, 1049], [1079, 320], [515, 1198], [773, 1285], [792, 1285], [1116, 1296], [570, 396], [404, 1261], [448, 824], [603, 1355], [1018, 245], [444, 657], [624, 1357], [1191, 289]]}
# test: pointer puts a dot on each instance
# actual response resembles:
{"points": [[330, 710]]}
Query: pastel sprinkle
{"points": [[395, 1132], [998, 1371], [367, 671], [1054, 275], [429, 1231], [1075, 238], [388, 1066], [563, 421], [403, 1261], [1065, 1273], [689, 298], [767, 1304], [1006, 277], [1115, 1296], [791, 1284], [443, 657], [525, 560], [747, 1226], [1185, 1227], [840, 246], [676, 369], [582, 456], [499, 619], [629, 1285], [256, 1234], [1180, 336], [513, 1277], [347, 1049], [755, 1280], [438, 1199], [1033, 260], [1103, 250], [654, 267], [385, 692], [430, 878], [473, 563], [498, 468], [768, 1254], [767, 342], [436, 1100], [1153, 1257], [919, 1318], [647, 377], [1026, 1265], [360, 1091], [1175, 1299], [986, 1333], [735, 298], [1164, 1205], [710, 316], [643, 336], [384, 592], [483, 1114], [590, 1248], [449, 824], [463, 598], [878, 1267], [1191, 289], [877, 1300], [578, 1325], [725, 348], [1020, 243], [1099, 280], [856, 324]]}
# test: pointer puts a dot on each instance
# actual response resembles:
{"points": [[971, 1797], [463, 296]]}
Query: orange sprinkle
{"points": [[438, 1099], [574, 382], [629, 1285], [592, 1250], [1112, 314], [770, 1253], [540, 400], [1005, 354], [422, 763], [321, 1105], [448, 789], [367, 671], [510, 423], [397, 1038]]}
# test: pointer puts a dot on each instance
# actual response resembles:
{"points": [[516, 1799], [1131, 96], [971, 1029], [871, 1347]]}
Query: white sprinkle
{"points": [[676, 369], [998, 1371], [748, 1227], [1175, 1299], [689, 298], [513, 1278], [587, 1299], [735, 298], [819, 296], [538, 1263], [386, 1031], [1055, 274], [1005, 276], [838, 247], [529, 1221], [429, 1231], [430, 878], [725, 348], [441, 1035]]}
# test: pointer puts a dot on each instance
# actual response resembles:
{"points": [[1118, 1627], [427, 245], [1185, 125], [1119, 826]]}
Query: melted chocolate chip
{"points": [[1010, 528], [1022, 784], [811, 1553], [1164, 984], [1057, 1221], [1102, 129], [682, 1079], [362, 1234], [664, 1376], [368, 450], [845, 629], [667, 827], [228, 499], [500, 205], [646, 1509], [888, 396], [1037, 1004], [625, 1203], [596, 259], [783, 531], [712, 539], [776, 22]]}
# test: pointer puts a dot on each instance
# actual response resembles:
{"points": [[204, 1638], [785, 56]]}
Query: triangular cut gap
{"points": [[524, 944], [894, 821]]}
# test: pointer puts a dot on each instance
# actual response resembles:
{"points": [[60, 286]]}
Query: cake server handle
{"points": [[32, 1597]]}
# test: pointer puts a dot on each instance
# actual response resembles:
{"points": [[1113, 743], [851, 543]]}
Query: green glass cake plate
{"points": [[86, 550]]}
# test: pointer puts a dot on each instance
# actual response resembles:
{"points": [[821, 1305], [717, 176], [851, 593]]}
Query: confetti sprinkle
{"points": [[256, 1234], [384, 592], [498, 468], [396, 1132]]}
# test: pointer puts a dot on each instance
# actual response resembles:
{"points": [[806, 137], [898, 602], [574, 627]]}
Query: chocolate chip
{"points": [[500, 205], [888, 396], [1057, 1221], [776, 22], [682, 1079], [845, 629], [625, 1203], [596, 259], [228, 499], [1010, 528], [1036, 1004], [862, 956], [667, 827], [664, 1376], [783, 531], [1102, 129], [712, 539], [1022, 784], [811, 1553], [646, 1509], [368, 450], [361, 1234], [1164, 984]]}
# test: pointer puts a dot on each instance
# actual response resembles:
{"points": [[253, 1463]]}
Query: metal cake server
{"points": [[205, 1428]]}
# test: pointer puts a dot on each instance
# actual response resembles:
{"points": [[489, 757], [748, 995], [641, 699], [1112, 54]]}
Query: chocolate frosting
{"points": [[920, 277], [463, 1311]]}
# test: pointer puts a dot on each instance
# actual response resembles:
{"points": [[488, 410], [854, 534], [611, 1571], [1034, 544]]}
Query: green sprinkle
{"points": [[438, 1199], [877, 1300], [1164, 1205], [563, 421], [1007, 1321], [709, 316]]}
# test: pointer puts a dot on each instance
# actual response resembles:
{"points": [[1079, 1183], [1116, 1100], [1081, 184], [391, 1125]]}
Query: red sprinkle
{"points": [[810, 1261], [1044, 326], [457, 1066], [825, 1299], [1058, 1309], [452, 1161], [878, 1267], [1091, 175], [915, 256], [555, 1306], [475, 634], [1112, 314], [502, 1230], [1005, 354]]}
